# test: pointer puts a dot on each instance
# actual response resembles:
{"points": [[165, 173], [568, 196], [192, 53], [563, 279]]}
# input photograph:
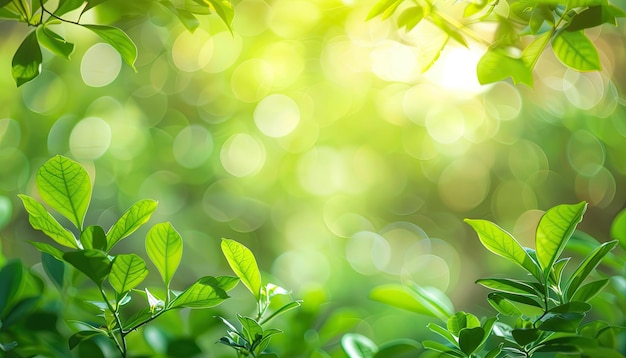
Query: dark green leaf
{"points": [[66, 6], [41, 219], [93, 263], [127, 271], [65, 186], [618, 228], [508, 285], [494, 352], [557, 270], [5, 347], [26, 64], [22, 311], [243, 263], [49, 249], [206, 292], [396, 348], [520, 299], [186, 18], [503, 305], [438, 347], [576, 51], [183, 347], [590, 290], [119, 40], [589, 264], [561, 322], [496, 65], [54, 268], [444, 26], [572, 307], [470, 339], [93, 238], [10, 281], [358, 346], [461, 320], [525, 336], [554, 229], [79, 337], [501, 243], [409, 18], [138, 214], [54, 42], [165, 249]]}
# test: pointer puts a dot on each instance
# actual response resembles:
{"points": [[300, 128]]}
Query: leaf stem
{"points": [[58, 17], [121, 346]]}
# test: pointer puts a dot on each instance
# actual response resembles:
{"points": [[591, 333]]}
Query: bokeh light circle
{"points": [[277, 115], [90, 138], [101, 65], [242, 155], [192, 146]]}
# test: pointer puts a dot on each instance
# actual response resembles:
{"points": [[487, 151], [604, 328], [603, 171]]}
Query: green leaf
{"points": [[561, 322], [81, 336], [54, 42], [383, 7], [91, 4], [503, 305], [65, 186], [571, 307], [223, 9], [288, 307], [508, 285], [93, 238], [525, 336], [49, 249], [397, 347], [410, 17], [589, 264], [501, 243], [66, 6], [438, 347], [186, 18], [461, 320], [26, 64], [494, 352], [532, 52], [41, 219], [165, 249], [496, 65], [10, 281], [618, 228], [442, 332], [576, 51], [589, 290], [119, 40], [265, 341], [470, 339], [402, 297], [556, 273], [358, 346], [554, 229], [93, 263], [251, 330], [54, 268], [206, 292], [138, 214], [243, 263], [127, 271], [444, 26]]}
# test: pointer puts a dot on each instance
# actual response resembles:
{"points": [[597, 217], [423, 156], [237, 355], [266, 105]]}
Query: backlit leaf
{"points": [[438, 347], [206, 292], [501, 243], [54, 268], [508, 285], [54, 42], [532, 52], [461, 320], [81, 336], [442, 332], [41, 219], [127, 271], [93, 237], [66, 6], [554, 229], [26, 64], [575, 50], [402, 297], [495, 65], [185, 17], [589, 290], [65, 186], [589, 264], [138, 214], [410, 17], [381, 7], [358, 346], [165, 249], [243, 263], [93, 263], [119, 40]]}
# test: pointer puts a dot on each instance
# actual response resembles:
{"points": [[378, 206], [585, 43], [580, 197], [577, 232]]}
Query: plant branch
{"points": [[121, 346], [58, 17]]}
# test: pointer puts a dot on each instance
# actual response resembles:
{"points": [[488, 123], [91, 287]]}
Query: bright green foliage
{"points": [[165, 249], [206, 292], [127, 271], [243, 263], [119, 40], [54, 42], [41, 219], [428, 301], [137, 215], [26, 63]]}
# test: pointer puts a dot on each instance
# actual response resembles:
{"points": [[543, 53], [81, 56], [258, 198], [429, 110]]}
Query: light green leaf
{"points": [[49, 249], [358, 346], [186, 18], [81, 336], [410, 17], [288, 307], [243, 263], [402, 297], [41, 219], [554, 229], [250, 329], [206, 292], [531, 54], [119, 40], [438, 347], [138, 214], [590, 290], [618, 228], [26, 64], [93, 263], [54, 42], [501, 243], [433, 327], [93, 238], [383, 7], [462, 320], [165, 249], [435, 298], [496, 65], [508, 285], [66, 6], [127, 271], [589, 264], [444, 26], [575, 50], [65, 186]]}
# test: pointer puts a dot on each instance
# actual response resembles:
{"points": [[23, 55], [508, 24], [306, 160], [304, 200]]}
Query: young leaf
{"points": [[589, 264], [410, 17], [54, 268], [119, 40], [26, 64], [206, 292], [508, 285], [496, 65], [243, 263], [590, 290], [41, 219], [223, 9], [288, 307], [531, 54], [461, 320], [438, 347], [54, 42], [265, 341], [65, 186], [165, 249], [442, 332], [383, 7], [93, 238], [10, 281], [554, 229], [93, 263], [557, 270], [251, 330], [470, 339], [576, 51], [127, 271], [186, 18], [358, 346], [138, 214], [501, 243]]}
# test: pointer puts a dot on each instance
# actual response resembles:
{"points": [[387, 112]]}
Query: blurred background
{"points": [[313, 137]]}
